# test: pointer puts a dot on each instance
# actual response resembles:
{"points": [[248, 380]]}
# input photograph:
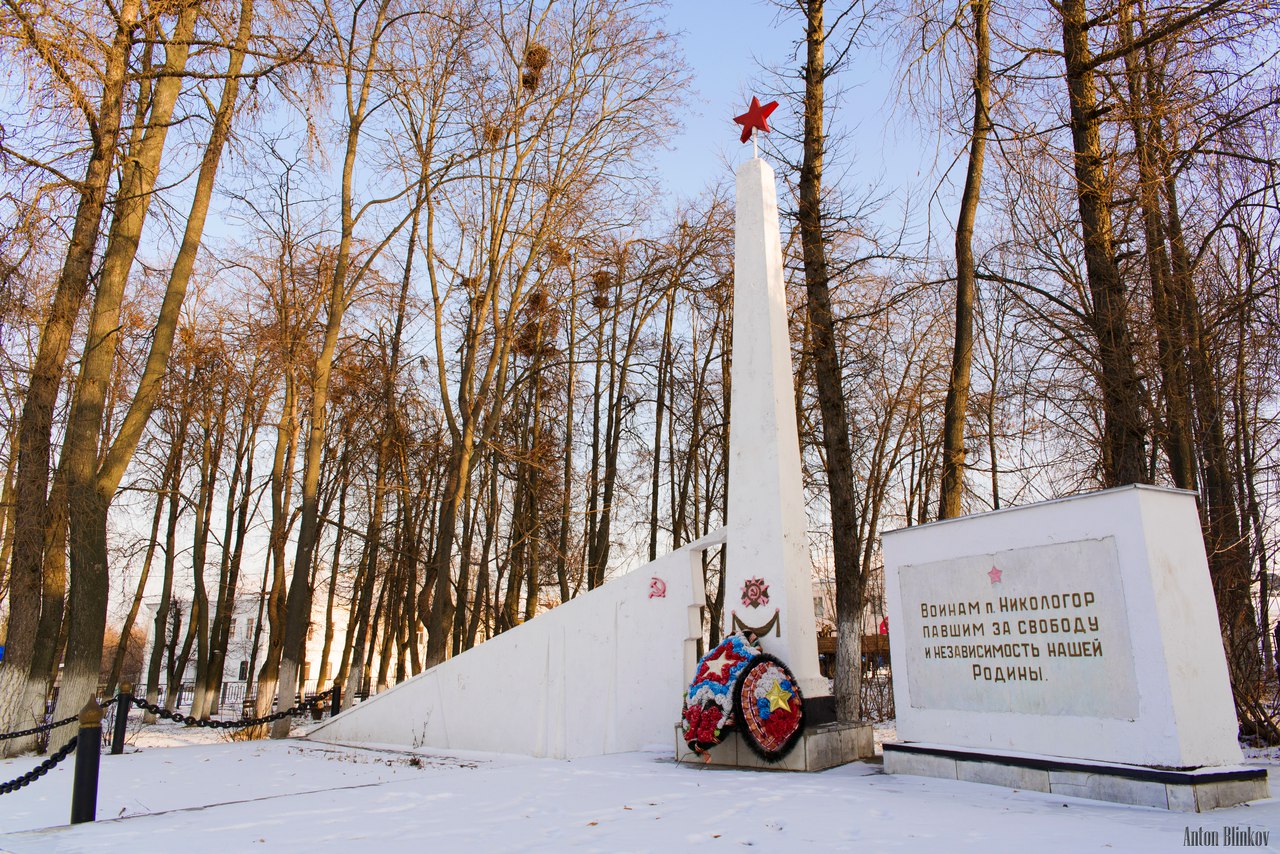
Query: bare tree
{"points": [[33, 37]]}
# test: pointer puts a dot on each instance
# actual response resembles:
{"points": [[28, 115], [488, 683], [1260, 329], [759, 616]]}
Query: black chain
{"points": [[63, 752], [161, 712], [36, 730], [40, 770]]}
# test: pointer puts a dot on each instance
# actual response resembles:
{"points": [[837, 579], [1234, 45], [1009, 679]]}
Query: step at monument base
{"points": [[820, 747], [1186, 790]]}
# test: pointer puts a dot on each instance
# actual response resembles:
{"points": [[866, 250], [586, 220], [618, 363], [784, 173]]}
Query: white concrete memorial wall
{"points": [[1083, 628], [602, 673]]}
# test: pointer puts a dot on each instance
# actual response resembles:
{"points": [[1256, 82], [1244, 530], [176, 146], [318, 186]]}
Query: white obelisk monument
{"points": [[768, 580]]}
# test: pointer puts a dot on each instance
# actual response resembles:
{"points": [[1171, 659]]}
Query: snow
{"points": [[188, 790]]}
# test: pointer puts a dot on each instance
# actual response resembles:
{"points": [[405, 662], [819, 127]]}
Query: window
{"points": [[244, 671], [819, 608]]}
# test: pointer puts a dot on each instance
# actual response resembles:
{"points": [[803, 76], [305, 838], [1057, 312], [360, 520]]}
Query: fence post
{"points": [[124, 702], [335, 704], [84, 785]]}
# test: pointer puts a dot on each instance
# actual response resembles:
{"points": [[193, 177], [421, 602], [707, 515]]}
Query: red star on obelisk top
{"points": [[756, 117], [995, 576]]}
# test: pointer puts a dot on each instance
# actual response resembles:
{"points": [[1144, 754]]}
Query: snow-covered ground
{"points": [[188, 791]]}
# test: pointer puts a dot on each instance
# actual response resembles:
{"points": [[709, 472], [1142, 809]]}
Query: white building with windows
{"points": [[248, 632]]}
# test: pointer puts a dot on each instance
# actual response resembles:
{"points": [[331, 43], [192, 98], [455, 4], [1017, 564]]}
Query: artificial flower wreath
{"points": [[709, 702], [769, 708]]}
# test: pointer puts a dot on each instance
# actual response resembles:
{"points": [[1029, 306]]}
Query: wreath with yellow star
{"points": [[769, 708]]}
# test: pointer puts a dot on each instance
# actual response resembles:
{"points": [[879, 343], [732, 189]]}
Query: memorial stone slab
{"points": [[1078, 630]]}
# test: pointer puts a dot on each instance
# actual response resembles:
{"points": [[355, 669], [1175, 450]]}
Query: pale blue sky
{"points": [[726, 44], [723, 41]]}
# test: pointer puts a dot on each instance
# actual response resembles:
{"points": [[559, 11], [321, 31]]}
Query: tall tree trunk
{"points": [[593, 472], [172, 630], [257, 644], [233, 536], [122, 646], [281, 492], [566, 453], [172, 489], [1124, 440], [53, 580], [1248, 447], [141, 169], [613, 394], [210, 457], [441, 596], [6, 517], [466, 602], [1170, 342], [659, 410], [828, 374], [953, 418], [322, 678], [178, 663], [36, 421], [395, 598], [298, 609], [366, 581], [1229, 564], [486, 546], [87, 605]]}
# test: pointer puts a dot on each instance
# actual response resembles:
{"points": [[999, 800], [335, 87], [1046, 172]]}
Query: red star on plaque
{"points": [[756, 117], [995, 576]]}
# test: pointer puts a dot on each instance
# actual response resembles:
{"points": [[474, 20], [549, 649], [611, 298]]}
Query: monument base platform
{"points": [[1187, 790], [820, 747]]}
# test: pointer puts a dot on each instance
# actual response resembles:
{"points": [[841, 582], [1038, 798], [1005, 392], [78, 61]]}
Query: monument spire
{"points": [[768, 582]]}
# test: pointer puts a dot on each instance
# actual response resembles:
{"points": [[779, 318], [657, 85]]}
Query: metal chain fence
{"points": [[52, 725], [43, 768], [159, 711], [303, 707]]}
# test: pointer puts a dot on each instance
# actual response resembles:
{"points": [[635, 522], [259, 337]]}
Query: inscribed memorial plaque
{"points": [[1039, 630]]}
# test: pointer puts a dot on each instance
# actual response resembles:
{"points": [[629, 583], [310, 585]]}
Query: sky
{"points": [[727, 45], [724, 42]]}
